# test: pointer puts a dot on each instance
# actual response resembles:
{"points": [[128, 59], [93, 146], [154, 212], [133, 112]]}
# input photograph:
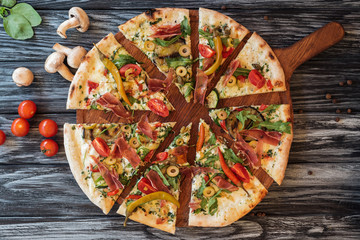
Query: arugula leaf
{"points": [[142, 152], [211, 159], [208, 36], [242, 71], [157, 169], [278, 126], [213, 203], [231, 156], [212, 140], [123, 60], [179, 61], [185, 27], [244, 115], [106, 129], [199, 193], [271, 108], [166, 43], [208, 152], [173, 182]]}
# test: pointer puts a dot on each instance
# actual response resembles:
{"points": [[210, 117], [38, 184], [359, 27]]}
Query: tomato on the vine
{"points": [[20, 127], [48, 128], [49, 147], [27, 109]]}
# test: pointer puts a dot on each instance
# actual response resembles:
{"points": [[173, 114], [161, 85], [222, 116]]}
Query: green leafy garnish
{"points": [[242, 71], [185, 27], [166, 43], [208, 36], [212, 139], [271, 108], [179, 61], [231, 156], [278, 126], [123, 60], [244, 115], [157, 169]]}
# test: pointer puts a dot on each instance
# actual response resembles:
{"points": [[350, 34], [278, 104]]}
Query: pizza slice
{"points": [[219, 35], [223, 189], [147, 200], [163, 34], [104, 157], [109, 78], [264, 131], [255, 70]]}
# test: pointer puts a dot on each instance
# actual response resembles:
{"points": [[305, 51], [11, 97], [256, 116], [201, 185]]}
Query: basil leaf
{"points": [[8, 3], [123, 60], [278, 126], [17, 27], [185, 27], [179, 61], [166, 43], [28, 12]]}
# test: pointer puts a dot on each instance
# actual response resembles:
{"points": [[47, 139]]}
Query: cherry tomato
{"points": [[49, 147], [162, 156], [256, 78], [48, 128], [158, 107], [27, 109], [145, 186], [227, 51], [241, 172], [20, 127], [136, 69], [206, 51], [101, 147], [92, 85], [2, 137]]}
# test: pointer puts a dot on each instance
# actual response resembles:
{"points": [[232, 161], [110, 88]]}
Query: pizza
{"points": [[108, 158], [163, 175], [95, 87], [104, 157], [265, 131], [223, 189], [164, 36]]}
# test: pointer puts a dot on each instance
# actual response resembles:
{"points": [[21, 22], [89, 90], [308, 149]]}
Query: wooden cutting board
{"points": [[290, 58]]}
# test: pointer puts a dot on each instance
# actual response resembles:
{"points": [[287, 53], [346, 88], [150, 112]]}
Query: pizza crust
{"points": [[72, 142]]}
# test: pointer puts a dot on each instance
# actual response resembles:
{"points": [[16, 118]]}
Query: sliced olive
{"points": [[184, 51], [152, 146], [134, 143], [172, 171], [91, 126], [119, 168], [179, 141], [231, 82], [222, 115], [110, 161], [230, 42], [209, 192], [126, 128], [181, 71], [149, 46]]}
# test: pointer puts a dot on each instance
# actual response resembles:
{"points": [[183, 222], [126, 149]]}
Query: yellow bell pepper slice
{"points": [[218, 50], [147, 198]]}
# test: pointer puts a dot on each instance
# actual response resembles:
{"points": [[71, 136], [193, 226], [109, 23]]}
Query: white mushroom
{"points": [[22, 76], [74, 56], [77, 19], [55, 63]]}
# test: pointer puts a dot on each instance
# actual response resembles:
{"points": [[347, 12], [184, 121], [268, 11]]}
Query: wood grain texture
{"points": [[35, 202]]}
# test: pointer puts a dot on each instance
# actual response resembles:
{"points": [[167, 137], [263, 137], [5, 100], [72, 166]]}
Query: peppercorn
{"points": [[342, 83], [334, 101], [223, 7], [337, 119], [349, 82], [349, 110], [266, 17], [328, 96], [338, 111], [310, 172]]}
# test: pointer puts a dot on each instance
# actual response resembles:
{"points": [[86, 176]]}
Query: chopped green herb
{"points": [[155, 22]]}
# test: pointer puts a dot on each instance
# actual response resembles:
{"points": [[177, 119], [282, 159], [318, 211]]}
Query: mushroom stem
{"points": [[70, 23], [65, 72], [62, 49]]}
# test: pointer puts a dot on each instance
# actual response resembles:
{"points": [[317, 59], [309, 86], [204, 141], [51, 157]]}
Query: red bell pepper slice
{"points": [[145, 186], [269, 85], [201, 139], [148, 156], [134, 197], [241, 172], [223, 125], [92, 85], [94, 169], [227, 170], [112, 193], [226, 53]]}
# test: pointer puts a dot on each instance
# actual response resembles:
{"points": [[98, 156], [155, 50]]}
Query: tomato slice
{"points": [[206, 51], [206, 178], [92, 85], [269, 85], [145, 186], [92, 169], [136, 69], [112, 193], [241, 172], [263, 107], [256, 78], [162, 156], [227, 51], [134, 197], [101, 147], [158, 107], [148, 156], [239, 109]]}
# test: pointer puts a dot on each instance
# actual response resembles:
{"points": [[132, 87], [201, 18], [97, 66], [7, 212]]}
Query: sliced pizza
{"points": [[223, 189], [264, 132], [219, 35], [104, 157], [149, 200], [109, 78], [163, 34], [255, 70]]}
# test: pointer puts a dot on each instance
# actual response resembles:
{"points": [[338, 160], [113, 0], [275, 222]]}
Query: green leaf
{"points": [[241, 71], [8, 3], [3, 12], [179, 61], [17, 27], [212, 139], [271, 108], [157, 169], [231, 156], [166, 43], [245, 115], [28, 12], [207, 36], [123, 60], [278, 126], [185, 27], [201, 189]]}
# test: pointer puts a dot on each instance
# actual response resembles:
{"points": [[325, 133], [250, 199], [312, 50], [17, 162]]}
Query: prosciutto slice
{"points": [[272, 138], [247, 151], [208, 62], [201, 86], [180, 150], [223, 184], [128, 152], [230, 71], [115, 151], [166, 31], [156, 181], [111, 177], [108, 100], [156, 85], [145, 127]]}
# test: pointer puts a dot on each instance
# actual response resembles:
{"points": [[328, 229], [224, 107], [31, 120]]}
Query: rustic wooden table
{"points": [[320, 196]]}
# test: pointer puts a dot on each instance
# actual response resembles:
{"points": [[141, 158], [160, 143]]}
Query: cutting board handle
{"points": [[293, 56]]}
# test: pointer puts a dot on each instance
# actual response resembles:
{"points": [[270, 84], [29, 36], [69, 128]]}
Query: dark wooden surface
{"points": [[320, 196]]}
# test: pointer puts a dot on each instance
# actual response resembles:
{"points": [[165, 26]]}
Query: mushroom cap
{"points": [[81, 16], [22, 76], [54, 61], [75, 56]]}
